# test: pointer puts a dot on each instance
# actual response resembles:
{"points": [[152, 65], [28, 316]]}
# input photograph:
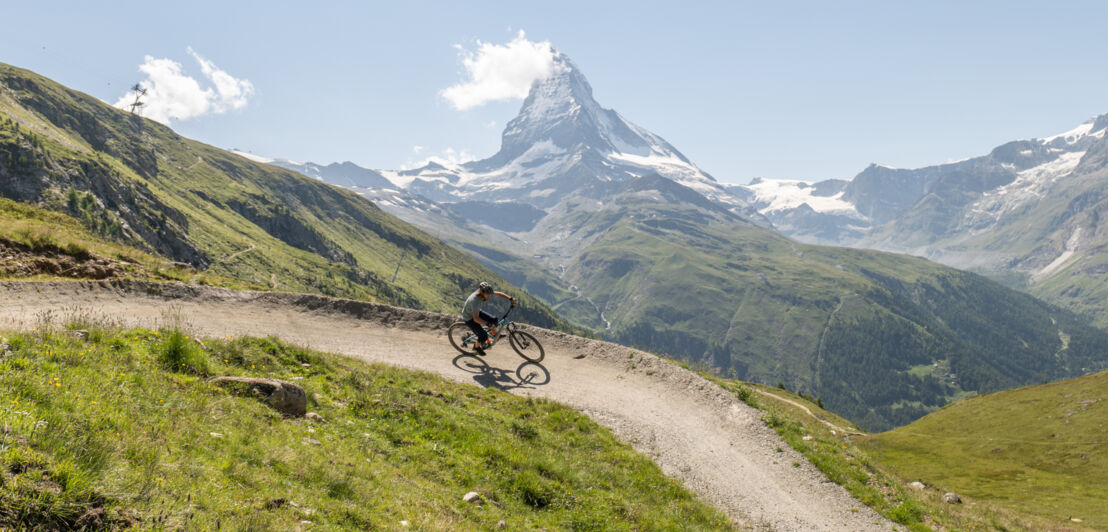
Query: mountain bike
{"points": [[463, 339]]}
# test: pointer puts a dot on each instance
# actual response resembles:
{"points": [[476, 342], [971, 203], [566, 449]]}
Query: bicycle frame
{"points": [[523, 343], [502, 322]]}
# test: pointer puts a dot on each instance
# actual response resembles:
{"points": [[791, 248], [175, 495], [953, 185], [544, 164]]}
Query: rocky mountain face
{"points": [[1027, 213], [905, 209], [619, 232], [562, 144]]}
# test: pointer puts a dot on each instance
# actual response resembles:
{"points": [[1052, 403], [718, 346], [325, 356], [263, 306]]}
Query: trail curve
{"points": [[694, 430]]}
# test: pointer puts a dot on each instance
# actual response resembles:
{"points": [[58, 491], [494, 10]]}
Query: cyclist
{"points": [[475, 315]]}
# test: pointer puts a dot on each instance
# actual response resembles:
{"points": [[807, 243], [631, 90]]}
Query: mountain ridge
{"points": [[137, 182], [647, 260]]}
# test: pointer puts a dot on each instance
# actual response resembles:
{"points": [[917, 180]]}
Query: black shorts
{"points": [[477, 329]]}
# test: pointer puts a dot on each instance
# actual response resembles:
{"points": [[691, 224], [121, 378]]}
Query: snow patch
{"points": [[1074, 134], [781, 195], [672, 167], [1029, 185]]}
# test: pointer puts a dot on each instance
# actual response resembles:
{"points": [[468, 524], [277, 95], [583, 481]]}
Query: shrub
{"points": [[78, 251], [178, 353]]}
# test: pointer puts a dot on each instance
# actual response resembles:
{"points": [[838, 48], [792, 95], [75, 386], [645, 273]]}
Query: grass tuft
{"points": [[178, 352]]}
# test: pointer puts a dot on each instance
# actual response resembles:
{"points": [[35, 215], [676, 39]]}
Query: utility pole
{"points": [[140, 91]]}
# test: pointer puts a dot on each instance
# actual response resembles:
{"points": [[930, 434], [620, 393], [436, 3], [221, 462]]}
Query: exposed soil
{"points": [[694, 430], [19, 260]]}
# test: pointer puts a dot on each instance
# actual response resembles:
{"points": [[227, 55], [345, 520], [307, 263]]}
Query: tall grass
{"points": [[177, 352]]}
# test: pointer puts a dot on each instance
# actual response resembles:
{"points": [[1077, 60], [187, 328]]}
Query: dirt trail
{"points": [[697, 432], [832, 426]]}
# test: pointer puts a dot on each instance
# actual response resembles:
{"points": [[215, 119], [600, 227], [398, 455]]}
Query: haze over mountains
{"points": [[1028, 214], [619, 232]]}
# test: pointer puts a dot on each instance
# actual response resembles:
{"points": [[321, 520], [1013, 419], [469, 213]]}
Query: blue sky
{"points": [[791, 90]]}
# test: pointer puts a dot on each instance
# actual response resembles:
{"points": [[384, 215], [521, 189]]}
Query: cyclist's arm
{"points": [[505, 296]]}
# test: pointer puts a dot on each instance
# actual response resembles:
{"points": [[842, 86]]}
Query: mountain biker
{"points": [[476, 316]]}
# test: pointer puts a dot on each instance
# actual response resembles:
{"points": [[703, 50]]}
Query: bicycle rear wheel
{"points": [[527, 346], [462, 338]]}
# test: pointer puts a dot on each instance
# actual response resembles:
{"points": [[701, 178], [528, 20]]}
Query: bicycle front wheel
{"points": [[527, 346], [462, 338]]}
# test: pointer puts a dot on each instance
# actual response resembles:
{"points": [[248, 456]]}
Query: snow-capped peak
{"points": [[1095, 128], [562, 130], [561, 109]]}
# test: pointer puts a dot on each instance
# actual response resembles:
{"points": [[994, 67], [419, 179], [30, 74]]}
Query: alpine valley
{"points": [[620, 233], [1028, 214]]}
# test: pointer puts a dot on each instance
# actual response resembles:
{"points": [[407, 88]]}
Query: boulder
{"points": [[917, 485], [285, 397], [79, 334]]}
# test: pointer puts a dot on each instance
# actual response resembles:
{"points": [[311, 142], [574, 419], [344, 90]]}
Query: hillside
{"points": [[659, 255], [1036, 450], [136, 182], [881, 338], [41, 244], [698, 433], [167, 449]]}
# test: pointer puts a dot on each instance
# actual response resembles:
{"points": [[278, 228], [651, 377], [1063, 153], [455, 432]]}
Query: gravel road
{"points": [[698, 433]]}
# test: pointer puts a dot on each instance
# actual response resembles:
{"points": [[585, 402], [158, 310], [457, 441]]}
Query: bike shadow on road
{"points": [[528, 375]]}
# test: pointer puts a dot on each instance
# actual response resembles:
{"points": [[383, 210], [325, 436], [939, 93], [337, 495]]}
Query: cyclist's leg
{"points": [[477, 329], [488, 318]]}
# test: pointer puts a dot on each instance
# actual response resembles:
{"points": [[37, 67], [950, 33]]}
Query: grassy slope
{"points": [[1035, 450], [823, 320], [43, 233], [235, 218], [123, 428], [850, 459], [1082, 284]]}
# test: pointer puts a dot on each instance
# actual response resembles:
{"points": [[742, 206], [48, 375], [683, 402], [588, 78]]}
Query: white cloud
{"points": [[497, 72], [448, 157], [173, 95]]}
